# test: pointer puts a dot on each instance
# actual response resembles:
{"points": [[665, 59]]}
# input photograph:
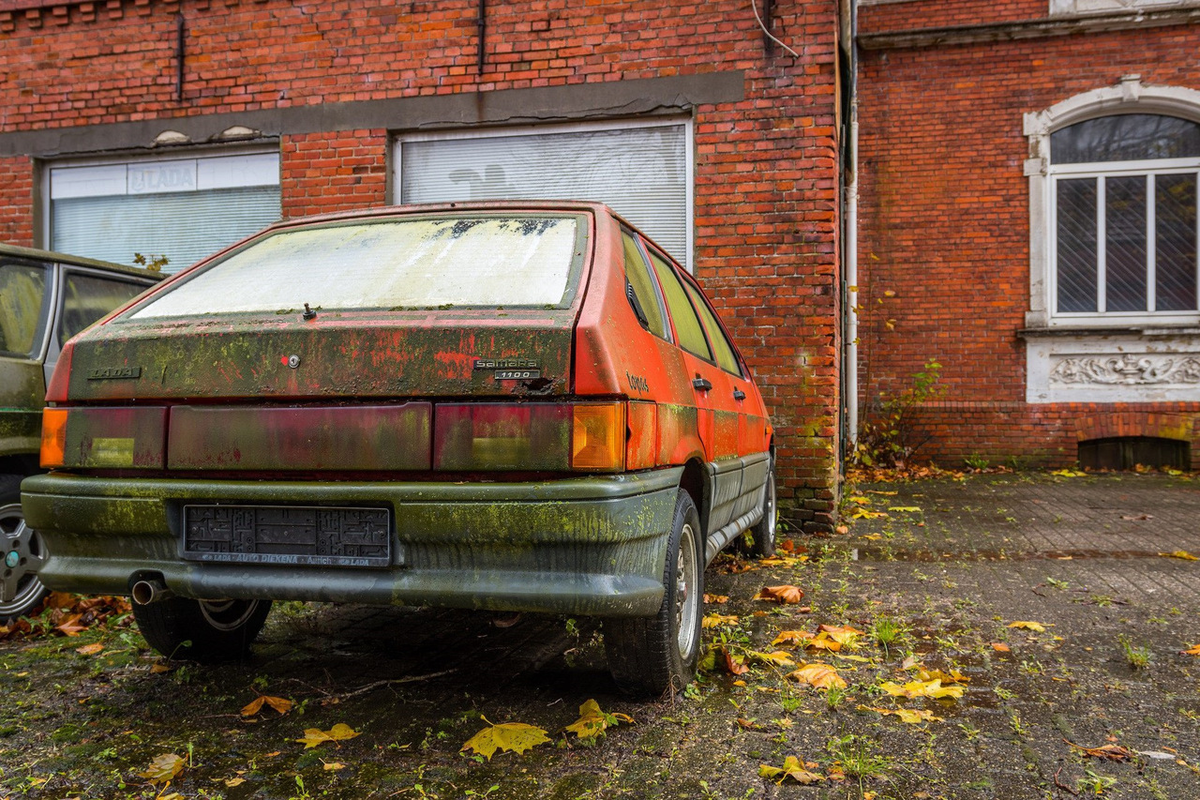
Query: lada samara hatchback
{"points": [[519, 407]]}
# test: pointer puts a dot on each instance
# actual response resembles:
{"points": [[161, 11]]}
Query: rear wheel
{"points": [[22, 554], [201, 630], [657, 655], [761, 535]]}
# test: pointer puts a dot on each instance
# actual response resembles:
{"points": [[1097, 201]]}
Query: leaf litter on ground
{"points": [[515, 737]]}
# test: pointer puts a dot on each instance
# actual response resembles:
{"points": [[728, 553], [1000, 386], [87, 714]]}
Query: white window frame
{"points": [[49, 166], [574, 127], [1129, 96], [1074, 7]]}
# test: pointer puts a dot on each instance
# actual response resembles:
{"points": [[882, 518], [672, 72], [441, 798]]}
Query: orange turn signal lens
{"points": [[598, 437], [54, 437]]}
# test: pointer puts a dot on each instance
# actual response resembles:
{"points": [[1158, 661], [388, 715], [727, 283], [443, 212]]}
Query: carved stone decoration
{"points": [[1127, 370]]}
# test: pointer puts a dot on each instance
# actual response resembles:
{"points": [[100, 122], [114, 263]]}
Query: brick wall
{"points": [[16, 207], [944, 237], [766, 198]]}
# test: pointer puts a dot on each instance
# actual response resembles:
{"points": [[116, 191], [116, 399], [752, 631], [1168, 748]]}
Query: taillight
{"points": [[496, 436], [112, 438], [598, 437], [534, 437], [54, 437]]}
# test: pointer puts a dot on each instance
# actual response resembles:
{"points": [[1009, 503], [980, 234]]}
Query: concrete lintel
{"points": [[506, 106]]}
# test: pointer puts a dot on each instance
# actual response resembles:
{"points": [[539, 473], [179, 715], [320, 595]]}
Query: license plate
{"points": [[288, 535]]}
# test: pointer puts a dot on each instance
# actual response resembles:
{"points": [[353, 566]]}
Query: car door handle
{"points": [[702, 384], [738, 394]]}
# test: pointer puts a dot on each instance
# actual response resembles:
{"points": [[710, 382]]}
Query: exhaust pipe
{"points": [[150, 591]]}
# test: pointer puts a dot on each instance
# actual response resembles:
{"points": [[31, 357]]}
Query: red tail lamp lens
{"points": [[598, 437], [502, 436], [54, 437]]}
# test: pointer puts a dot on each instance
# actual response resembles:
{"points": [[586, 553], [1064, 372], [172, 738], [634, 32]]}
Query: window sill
{"points": [[1141, 329]]}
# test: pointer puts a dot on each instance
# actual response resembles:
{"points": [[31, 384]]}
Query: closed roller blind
{"points": [[641, 172], [183, 226]]}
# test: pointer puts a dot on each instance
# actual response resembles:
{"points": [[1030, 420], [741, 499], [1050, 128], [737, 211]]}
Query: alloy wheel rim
{"points": [[686, 601], [22, 554]]}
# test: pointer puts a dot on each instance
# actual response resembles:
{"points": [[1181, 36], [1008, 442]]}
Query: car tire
{"points": [[761, 537], [657, 656], [22, 553], [202, 630]]}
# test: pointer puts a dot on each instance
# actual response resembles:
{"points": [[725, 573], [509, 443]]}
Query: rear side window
{"points": [[24, 302], [687, 326], [87, 298], [416, 262], [725, 354], [642, 286]]}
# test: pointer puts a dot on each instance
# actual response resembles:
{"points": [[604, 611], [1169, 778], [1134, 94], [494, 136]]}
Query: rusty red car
{"points": [[519, 406]]}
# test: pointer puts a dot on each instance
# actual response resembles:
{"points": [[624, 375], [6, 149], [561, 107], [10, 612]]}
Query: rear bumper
{"points": [[589, 546]]}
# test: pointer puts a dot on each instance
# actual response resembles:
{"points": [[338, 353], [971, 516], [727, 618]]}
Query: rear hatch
{"points": [[333, 345]]}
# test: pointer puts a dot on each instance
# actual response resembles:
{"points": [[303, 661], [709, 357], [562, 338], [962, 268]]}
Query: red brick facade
{"points": [[944, 247], [766, 202]]}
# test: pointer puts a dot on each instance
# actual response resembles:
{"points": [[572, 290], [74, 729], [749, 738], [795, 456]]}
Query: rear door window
{"points": [[637, 273], [24, 306], [687, 325], [725, 353]]}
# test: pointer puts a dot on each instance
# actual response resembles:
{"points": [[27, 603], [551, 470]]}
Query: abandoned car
{"points": [[505, 406], [45, 299]]}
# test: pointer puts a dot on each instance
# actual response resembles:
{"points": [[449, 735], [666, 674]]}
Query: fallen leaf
{"points": [[333, 766], [933, 689], [280, 704], [905, 509], [1029, 626], [937, 675], [842, 634], [159, 668], [1137, 517], [71, 626], [791, 637], [781, 594], [748, 724], [89, 649], [717, 620], [515, 737], [909, 716], [1069, 473], [863, 513], [593, 721], [1000, 647], [338, 733], [232, 782], [842, 529], [1182, 554], [1193, 651], [163, 768], [1111, 752], [733, 665], [819, 676], [778, 658], [793, 769], [716, 598], [911, 662]]}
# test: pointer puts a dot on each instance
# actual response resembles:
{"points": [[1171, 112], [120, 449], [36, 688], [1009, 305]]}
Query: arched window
{"points": [[1124, 224]]}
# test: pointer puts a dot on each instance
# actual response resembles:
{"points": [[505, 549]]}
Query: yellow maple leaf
{"points": [[844, 635], [954, 676], [163, 768], [1182, 554], [338, 733], [781, 594], [911, 689], [909, 716], [791, 637], [717, 620], [516, 737], [1029, 626], [280, 704], [793, 769], [778, 658], [819, 676], [1194, 651], [593, 721]]}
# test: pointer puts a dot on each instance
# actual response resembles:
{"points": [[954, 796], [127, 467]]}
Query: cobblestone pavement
{"points": [[953, 563]]}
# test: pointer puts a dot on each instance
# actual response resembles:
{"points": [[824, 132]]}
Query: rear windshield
{"points": [[391, 264], [23, 308]]}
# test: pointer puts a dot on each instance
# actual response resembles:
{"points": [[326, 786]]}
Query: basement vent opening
{"points": [[1126, 452]]}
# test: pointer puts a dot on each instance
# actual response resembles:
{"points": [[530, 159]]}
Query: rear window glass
{"points": [[23, 307], [393, 264]]}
